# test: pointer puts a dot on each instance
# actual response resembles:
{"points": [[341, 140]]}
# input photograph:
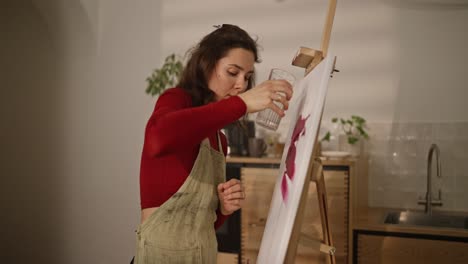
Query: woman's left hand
{"points": [[231, 196]]}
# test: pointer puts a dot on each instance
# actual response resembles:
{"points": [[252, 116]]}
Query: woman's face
{"points": [[232, 73]]}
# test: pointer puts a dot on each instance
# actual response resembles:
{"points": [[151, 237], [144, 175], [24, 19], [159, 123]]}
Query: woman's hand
{"points": [[263, 96], [231, 196]]}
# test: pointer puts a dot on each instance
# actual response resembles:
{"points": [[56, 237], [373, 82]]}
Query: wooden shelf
{"points": [[338, 161], [264, 160], [232, 159]]}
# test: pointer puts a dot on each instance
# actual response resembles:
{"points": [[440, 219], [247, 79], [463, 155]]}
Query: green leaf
{"points": [[361, 131], [326, 137], [352, 140], [354, 128], [164, 77]]}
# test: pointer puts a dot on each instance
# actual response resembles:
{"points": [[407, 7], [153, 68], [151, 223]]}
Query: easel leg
{"points": [[323, 205], [326, 246]]}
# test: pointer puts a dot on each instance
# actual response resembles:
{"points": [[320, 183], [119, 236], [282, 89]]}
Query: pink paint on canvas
{"points": [[284, 188], [299, 130]]}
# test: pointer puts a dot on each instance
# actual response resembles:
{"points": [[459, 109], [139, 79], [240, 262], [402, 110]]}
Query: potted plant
{"points": [[349, 131], [165, 77]]}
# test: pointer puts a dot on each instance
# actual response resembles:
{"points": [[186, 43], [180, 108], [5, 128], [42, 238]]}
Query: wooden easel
{"points": [[309, 58]]}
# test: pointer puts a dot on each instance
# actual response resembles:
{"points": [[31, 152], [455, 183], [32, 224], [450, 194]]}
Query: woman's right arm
{"points": [[174, 124]]}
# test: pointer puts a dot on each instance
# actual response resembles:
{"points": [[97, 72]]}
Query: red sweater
{"points": [[173, 136]]}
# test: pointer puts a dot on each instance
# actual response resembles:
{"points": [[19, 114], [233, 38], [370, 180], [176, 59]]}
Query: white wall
{"points": [[364, 39], [429, 108], [73, 116], [433, 66], [397, 58]]}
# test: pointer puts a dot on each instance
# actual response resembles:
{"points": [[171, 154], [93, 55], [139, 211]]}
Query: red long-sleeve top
{"points": [[173, 136]]}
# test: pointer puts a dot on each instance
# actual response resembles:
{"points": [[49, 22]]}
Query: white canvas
{"points": [[308, 101]]}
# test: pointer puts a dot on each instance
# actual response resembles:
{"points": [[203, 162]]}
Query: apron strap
{"points": [[220, 146]]}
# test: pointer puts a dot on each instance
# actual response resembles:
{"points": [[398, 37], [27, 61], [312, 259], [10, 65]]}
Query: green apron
{"points": [[182, 230]]}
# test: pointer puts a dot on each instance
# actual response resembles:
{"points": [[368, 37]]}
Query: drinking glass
{"points": [[268, 118]]}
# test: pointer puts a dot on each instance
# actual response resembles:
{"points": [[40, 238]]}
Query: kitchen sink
{"points": [[410, 218]]}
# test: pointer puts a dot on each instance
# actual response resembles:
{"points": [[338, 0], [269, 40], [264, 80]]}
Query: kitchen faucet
{"points": [[429, 202]]}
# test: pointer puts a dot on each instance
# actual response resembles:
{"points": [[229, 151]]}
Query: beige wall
{"points": [[398, 59], [433, 68], [73, 115], [364, 39]]}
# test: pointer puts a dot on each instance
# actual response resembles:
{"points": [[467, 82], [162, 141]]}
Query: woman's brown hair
{"points": [[205, 55]]}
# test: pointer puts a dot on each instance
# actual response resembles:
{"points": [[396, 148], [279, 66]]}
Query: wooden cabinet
{"points": [[259, 184], [227, 258], [337, 185], [229, 235], [389, 249]]}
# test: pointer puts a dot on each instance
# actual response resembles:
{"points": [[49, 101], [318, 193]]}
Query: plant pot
{"points": [[332, 144], [354, 149]]}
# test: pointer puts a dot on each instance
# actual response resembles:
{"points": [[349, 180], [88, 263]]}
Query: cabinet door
{"points": [[375, 249], [227, 258], [336, 184], [259, 185]]}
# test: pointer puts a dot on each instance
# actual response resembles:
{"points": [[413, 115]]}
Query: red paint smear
{"points": [[290, 164], [284, 188], [299, 130]]}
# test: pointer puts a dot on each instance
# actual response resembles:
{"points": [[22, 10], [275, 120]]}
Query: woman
{"points": [[184, 196]]}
